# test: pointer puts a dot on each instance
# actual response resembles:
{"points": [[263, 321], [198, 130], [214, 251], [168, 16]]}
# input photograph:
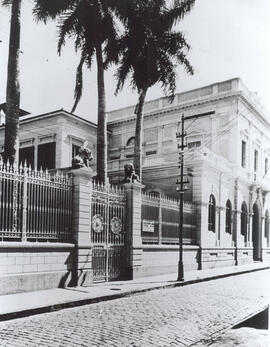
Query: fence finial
{"points": [[21, 168]]}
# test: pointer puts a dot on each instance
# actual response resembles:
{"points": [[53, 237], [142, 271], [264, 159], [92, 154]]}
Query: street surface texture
{"points": [[243, 337], [180, 316]]}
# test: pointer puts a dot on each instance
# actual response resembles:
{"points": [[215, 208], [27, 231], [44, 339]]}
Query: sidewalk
{"points": [[25, 304]]}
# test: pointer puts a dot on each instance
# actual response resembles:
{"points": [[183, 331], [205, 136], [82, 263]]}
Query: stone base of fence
{"points": [[35, 266], [163, 259], [266, 254], [222, 257], [84, 272], [244, 255]]}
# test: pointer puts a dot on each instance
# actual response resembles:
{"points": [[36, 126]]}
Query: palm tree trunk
{"points": [[138, 135], [102, 119], [11, 146]]}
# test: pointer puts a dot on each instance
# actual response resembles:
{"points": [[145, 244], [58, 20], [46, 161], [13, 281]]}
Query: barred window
{"points": [[244, 219], [228, 217], [212, 213], [266, 227]]}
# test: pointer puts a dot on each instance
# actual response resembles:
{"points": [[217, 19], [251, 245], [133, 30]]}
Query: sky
{"points": [[228, 38]]}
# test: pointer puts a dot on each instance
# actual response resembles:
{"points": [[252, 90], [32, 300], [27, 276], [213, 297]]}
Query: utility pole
{"points": [[181, 189]]}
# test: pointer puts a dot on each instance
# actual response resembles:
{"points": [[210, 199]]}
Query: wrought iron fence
{"points": [[34, 205], [160, 221], [108, 232]]}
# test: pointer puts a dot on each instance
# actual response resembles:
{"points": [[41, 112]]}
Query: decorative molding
{"points": [[47, 138], [27, 143], [76, 140], [177, 108]]}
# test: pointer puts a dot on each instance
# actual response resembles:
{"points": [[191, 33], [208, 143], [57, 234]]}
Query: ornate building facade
{"points": [[226, 164], [226, 161]]}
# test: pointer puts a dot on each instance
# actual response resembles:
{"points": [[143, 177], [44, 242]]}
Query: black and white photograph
{"points": [[134, 173]]}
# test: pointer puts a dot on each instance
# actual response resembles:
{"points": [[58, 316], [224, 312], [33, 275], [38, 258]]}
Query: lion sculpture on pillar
{"points": [[130, 175], [83, 158]]}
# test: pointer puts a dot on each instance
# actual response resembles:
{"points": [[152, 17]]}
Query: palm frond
{"points": [[7, 2], [51, 9], [122, 72], [78, 83], [177, 12], [182, 60], [68, 25], [111, 48]]}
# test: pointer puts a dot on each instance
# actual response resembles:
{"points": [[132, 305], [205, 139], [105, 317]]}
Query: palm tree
{"points": [[92, 24], [12, 109], [151, 49]]}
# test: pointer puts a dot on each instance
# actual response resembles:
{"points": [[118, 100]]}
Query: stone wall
{"points": [[217, 257], [163, 259], [266, 254], [35, 266], [245, 255]]}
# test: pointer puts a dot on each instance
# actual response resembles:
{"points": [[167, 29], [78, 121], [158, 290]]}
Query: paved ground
{"points": [[165, 317], [243, 337]]}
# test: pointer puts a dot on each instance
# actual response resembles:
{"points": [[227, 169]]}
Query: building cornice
{"points": [[191, 104], [61, 112], [253, 107], [176, 108]]}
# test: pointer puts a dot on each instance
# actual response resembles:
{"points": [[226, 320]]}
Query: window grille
{"points": [[212, 213], [266, 227], [194, 144], [244, 219], [266, 166], [255, 160], [243, 158], [228, 217]]}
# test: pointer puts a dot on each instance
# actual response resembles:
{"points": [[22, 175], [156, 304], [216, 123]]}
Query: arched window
{"points": [[131, 141], [228, 227], [266, 227], [244, 219], [212, 213]]}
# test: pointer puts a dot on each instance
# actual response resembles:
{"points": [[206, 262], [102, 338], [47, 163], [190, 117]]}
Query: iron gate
{"points": [[108, 232]]}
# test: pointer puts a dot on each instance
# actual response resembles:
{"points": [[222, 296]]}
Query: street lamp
{"points": [[181, 189]]}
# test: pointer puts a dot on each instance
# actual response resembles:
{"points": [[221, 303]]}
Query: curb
{"points": [[82, 302]]}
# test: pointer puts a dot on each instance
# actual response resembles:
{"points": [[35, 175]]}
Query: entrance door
{"points": [[256, 233], [108, 233]]}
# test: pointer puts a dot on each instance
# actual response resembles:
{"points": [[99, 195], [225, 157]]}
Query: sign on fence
{"points": [[148, 226]]}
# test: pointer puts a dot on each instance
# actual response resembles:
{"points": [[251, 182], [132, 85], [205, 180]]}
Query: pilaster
{"points": [[134, 238], [82, 187]]}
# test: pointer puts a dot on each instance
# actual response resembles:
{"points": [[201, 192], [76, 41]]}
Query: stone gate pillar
{"points": [[134, 238], [82, 186]]}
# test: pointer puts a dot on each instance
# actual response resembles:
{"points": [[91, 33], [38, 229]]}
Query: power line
{"points": [[213, 139], [194, 120]]}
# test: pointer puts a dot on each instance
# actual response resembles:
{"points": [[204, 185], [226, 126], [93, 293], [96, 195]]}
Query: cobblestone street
{"points": [[166, 317]]}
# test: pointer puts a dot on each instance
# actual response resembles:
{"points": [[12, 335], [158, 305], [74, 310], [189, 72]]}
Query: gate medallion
{"points": [[97, 223], [116, 225]]}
